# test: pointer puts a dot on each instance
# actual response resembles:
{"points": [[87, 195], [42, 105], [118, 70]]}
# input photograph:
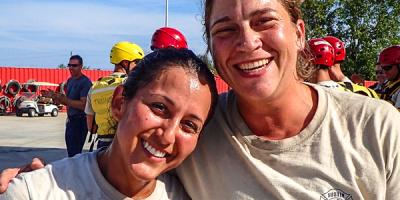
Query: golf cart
{"points": [[32, 103]]}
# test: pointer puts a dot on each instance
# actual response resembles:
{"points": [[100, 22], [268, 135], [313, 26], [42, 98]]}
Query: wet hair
{"points": [[151, 66], [304, 67], [77, 57]]}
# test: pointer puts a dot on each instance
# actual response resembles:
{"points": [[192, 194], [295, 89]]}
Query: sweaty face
{"points": [[255, 46], [160, 126]]}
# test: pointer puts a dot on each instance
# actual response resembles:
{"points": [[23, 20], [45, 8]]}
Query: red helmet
{"points": [[338, 45], [324, 53], [168, 37], [390, 56]]}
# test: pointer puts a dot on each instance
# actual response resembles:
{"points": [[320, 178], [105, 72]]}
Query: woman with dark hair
{"points": [[161, 110]]}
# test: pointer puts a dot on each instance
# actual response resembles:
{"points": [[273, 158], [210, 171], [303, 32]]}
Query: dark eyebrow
{"points": [[262, 11], [170, 101], [223, 19]]}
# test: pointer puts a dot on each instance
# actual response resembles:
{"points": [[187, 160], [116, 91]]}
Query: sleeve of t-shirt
{"points": [[393, 157], [88, 106], [17, 189], [85, 89]]}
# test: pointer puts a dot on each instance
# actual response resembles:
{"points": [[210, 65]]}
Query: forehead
{"points": [[242, 8], [74, 61], [183, 88]]}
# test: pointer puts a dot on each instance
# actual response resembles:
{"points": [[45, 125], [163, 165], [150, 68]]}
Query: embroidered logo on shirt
{"points": [[336, 194]]}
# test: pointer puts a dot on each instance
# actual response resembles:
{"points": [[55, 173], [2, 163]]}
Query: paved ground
{"points": [[22, 138]]}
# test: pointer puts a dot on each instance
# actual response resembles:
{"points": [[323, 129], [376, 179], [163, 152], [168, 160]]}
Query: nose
{"points": [[168, 132], [248, 40]]}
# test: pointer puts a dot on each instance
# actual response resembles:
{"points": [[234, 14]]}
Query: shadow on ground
{"points": [[17, 156]]}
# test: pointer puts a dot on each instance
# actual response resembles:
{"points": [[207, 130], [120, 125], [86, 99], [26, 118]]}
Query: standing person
{"points": [[124, 55], [274, 136], [389, 59], [78, 86], [161, 110]]}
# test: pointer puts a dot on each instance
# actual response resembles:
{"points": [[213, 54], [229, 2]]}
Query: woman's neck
{"points": [[119, 176], [282, 117]]}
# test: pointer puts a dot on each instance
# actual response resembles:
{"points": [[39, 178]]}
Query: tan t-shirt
{"points": [[80, 178], [350, 150]]}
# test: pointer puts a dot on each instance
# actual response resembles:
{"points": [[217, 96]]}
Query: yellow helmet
{"points": [[125, 51]]}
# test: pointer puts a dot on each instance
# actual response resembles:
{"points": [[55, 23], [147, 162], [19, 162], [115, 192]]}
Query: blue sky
{"points": [[42, 33]]}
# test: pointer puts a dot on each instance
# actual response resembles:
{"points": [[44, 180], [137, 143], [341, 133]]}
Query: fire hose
{"points": [[4, 103], [12, 87]]}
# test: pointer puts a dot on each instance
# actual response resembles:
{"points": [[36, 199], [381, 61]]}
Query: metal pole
{"points": [[166, 13]]}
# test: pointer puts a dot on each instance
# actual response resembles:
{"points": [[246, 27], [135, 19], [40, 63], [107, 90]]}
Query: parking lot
{"points": [[22, 138]]}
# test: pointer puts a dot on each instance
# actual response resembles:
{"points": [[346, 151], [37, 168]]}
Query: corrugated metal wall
{"points": [[22, 75]]}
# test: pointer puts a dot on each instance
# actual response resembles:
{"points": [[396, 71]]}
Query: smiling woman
{"points": [[161, 110]]}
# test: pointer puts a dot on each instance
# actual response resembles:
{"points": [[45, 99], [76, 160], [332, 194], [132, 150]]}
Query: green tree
{"points": [[61, 66], [365, 26]]}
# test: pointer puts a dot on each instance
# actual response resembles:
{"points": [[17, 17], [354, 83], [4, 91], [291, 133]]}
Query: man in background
{"points": [[78, 86]]}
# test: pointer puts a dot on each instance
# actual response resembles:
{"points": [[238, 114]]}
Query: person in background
{"points": [[161, 110], [336, 73], [78, 86], [323, 58], [389, 59], [125, 56]]}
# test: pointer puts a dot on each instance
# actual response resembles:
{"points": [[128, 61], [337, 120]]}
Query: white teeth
{"points": [[152, 150], [254, 65]]}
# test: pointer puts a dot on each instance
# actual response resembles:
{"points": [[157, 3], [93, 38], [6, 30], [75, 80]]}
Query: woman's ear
{"points": [[300, 33], [117, 103]]}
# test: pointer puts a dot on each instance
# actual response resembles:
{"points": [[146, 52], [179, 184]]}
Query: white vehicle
{"points": [[33, 105]]}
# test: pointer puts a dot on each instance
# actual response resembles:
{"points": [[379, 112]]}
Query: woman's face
{"points": [[255, 46], [159, 127]]}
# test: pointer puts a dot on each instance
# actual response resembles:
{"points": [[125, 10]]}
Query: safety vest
{"points": [[359, 89], [389, 89], [100, 96]]}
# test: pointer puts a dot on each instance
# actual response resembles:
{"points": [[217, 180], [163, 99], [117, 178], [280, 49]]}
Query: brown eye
{"points": [[190, 127], [159, 109]]}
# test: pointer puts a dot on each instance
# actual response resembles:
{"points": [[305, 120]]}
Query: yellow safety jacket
{"points": [[389, 89], [359, 89], [100, 98]]}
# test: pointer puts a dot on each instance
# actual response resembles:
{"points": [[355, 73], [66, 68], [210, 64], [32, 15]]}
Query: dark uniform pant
{"points": [[75, 134]]}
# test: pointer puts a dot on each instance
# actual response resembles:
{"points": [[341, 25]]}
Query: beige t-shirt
{"points": [[350, 150], [80, 178]]}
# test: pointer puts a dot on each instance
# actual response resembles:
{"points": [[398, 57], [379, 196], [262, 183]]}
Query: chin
{"points": [[145, 173]]}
